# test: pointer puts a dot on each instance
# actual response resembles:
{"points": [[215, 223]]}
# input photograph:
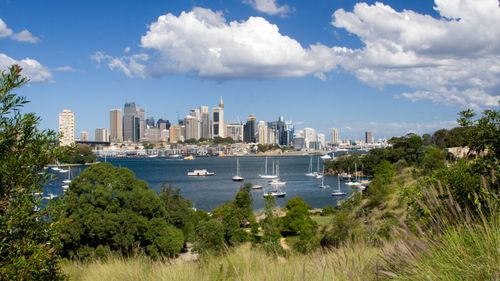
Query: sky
{"points": [[390, 67]]}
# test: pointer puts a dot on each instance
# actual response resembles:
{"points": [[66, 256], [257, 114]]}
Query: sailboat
{"points": [[67, 181], [355, 183], [310, 173], [337, 192], [266, 175], [277, 181], [237, 177], [322, 185], [318, 174]]}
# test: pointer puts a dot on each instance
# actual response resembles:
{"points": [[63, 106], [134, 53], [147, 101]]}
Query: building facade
{"points": [[249, 130], [335, 136], [116, 126], [67, 127], [369, 137], [235, 131], [84, 136], [218, 126], [101, 134]]}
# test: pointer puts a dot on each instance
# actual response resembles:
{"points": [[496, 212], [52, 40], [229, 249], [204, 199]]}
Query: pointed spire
{"points": [[221, 103]]}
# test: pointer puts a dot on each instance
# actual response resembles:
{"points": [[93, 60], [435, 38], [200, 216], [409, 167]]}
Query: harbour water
{"points": [[208, 192]]}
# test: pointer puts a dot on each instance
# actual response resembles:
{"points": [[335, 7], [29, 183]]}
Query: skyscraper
{"points": [[262, 132], [249, 130], [369, 137], [218, 126], [116, 126], [133, 123], [335, 136], [67, 127], [101, 134], [309, 137], [204, 122], [234, 131], [191, 127]]}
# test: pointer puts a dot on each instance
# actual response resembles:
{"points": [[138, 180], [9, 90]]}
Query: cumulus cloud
{"points": [[269, 7], [22, 36], [452, 60], [65, 68], [34, 70], [202, 43]]}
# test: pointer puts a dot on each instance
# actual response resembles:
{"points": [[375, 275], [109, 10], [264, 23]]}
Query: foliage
{"points": [[219, 140], [380, 188], [180, 212], [28, 241], [108, 206], [297, 220], [76, 154], [433, 159], [271, 229], [267, 147], [210, 236]]}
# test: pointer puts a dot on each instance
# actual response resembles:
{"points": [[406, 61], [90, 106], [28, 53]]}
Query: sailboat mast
{"points": [[266, 167]]}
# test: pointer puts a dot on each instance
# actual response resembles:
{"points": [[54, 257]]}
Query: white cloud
{"points": [[34, 70], [202, 43], [25, 36], [269, 7], [65, 68], [5, 31], [22, 36], [453, 60]]}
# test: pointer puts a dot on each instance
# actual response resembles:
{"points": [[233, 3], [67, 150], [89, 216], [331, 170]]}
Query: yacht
{"points": [[190, 157], [237, 177], [277, 181], [323, 185], [326, 157], [337, 192], [266, 175], [50, 196], [202, 172], [317, 173], [275, 193], [355, 183], [256, 186], [310, 173]]}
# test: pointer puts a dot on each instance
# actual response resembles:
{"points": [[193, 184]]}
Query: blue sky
{"points": [[389, 67]]}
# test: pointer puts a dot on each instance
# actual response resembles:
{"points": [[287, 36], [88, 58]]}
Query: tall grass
{"points": [[352, 262]]}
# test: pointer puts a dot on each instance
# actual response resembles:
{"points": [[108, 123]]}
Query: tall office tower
{"points": [[262, 135], [218, 126], [164, 134], [150, 122], [204, 122], [322, 140], [191, 128], [235, 131], [272, 135], [84, 136], [101, 134], [67, 127], [335, 136], [130, 113], [309, 136], [299, 141], [195, 112], [116, 126], [142, 124], [249, 130], [369, 137], [289, 133]]}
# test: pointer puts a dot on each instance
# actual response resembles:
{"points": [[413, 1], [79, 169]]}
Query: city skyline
{"points": [[327, 64]]}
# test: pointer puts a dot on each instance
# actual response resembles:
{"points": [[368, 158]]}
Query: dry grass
{"points": [[353, 262]]}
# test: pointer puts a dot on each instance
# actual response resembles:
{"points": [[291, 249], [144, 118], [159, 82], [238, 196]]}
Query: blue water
{"points": [[208, 192]]}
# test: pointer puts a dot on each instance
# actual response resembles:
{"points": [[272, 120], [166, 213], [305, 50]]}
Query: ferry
{"points": [[200, 173]]}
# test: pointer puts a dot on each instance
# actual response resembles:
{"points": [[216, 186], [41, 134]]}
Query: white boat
{"points": [[310, 173], [323, 185], [68, 180], [149, 156], [337, 192], [200, 173], [275, 193], [50, 196], [326, 157], [63, 171], [175, 156], [237, 177], [256, 186], [317, 173], [355, 183], [55, 168], [266, 175], [65, 187], [277, 181]]}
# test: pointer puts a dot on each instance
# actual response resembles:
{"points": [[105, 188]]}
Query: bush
{"points": [[108, 206]]}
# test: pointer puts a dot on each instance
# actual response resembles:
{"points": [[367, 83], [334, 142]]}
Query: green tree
{"points": [[297, 220], [28, 241], [433, 159], [76, 154], [180, 212], [108, 206]]}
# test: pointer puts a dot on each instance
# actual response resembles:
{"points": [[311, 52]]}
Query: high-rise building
{"points": [[204, 122], [84, 136], [335, 136], [191, 128], [262, 132], [150, 122], [116, 126], [249, 130], [322, 140], [142, 124], [218, 126], [310, 137], [101, 134], [235, 131], [67, 127], [130, 113], [369, 137], [163, 124], [175, 133]]}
